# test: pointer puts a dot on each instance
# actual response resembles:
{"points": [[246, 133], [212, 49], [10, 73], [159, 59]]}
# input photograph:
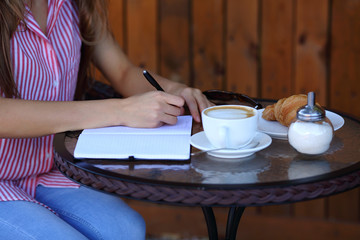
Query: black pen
{"points": [[152, 81]]}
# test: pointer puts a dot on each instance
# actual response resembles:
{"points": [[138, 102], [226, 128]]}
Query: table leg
{"points": [[210, 222], [233, 221]]}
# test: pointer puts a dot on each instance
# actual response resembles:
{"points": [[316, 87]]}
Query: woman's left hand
{"points": [[195, 100]]}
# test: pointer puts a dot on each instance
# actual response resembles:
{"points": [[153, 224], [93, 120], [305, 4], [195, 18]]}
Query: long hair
{"points": [[93, 24]]}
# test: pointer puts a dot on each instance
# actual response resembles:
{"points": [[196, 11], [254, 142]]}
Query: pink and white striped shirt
{"points": [[45, 68]]}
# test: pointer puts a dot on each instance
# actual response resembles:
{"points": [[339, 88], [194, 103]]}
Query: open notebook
{"points": [[171, 142]]}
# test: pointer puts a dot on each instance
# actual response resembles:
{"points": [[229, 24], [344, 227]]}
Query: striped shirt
{"points": [[45, 68]]}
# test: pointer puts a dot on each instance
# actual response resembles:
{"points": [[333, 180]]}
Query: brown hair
{"points": [[93, 24]]}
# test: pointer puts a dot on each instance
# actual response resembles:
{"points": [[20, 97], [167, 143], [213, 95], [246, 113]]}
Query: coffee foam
{"points": [[230, 113]]}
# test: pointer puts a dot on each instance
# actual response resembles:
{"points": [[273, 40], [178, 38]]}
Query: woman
{"points": [[46, 47]]}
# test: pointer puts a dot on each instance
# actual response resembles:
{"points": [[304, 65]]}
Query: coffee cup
{"points": [[229, 126]]}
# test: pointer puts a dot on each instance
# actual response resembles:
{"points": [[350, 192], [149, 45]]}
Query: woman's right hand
{"points": [[151, 109]]}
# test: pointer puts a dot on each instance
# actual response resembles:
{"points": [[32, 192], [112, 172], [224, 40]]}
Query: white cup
{"points": [[230, 126]]}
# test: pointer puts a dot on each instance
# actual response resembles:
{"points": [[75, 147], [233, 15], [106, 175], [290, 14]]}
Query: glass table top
{"points": [[277, 164]]}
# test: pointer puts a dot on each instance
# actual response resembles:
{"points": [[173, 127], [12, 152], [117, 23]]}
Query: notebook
{"points": [[170, 142]]}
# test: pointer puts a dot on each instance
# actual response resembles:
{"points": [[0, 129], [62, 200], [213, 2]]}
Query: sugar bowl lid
{"points": [[310, 112]]}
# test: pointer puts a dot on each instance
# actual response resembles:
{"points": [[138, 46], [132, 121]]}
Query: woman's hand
{"points": [[195, 100], [151, 109]]}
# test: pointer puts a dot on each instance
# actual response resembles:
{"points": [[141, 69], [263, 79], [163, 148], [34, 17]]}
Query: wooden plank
{"points": [[311, 67], [141, 27], [311, 41], [242, 46], [345, 56], [273, 228], [345, 86], [277, 49], [345, 206], [315, 209], [208, 49], [175, 40], [276, 63], [116, 22]]}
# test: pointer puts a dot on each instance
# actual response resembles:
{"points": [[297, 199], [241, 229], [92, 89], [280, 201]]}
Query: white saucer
{"points": [[261, 140], [278, 131]]}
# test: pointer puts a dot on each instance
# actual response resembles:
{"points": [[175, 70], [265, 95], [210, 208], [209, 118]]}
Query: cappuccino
{"points": [[230, 112], [229, 126]]}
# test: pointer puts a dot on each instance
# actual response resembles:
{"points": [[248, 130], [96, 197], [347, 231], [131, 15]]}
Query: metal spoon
{"points": [[251, 145]]}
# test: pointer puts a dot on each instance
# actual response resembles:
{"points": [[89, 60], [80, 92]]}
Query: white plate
{"points": [[276, 130], [261, 140]]}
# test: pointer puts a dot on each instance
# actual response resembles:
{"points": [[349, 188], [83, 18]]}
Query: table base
{"points": [[234, 216]]}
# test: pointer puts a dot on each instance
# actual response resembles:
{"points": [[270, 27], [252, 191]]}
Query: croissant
{"points": [[284, 111]]}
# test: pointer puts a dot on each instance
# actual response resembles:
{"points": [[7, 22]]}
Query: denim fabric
{"points": [[82, 214]]}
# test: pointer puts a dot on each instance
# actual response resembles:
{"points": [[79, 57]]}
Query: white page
{"points": [[165, 142], [183, 126]]}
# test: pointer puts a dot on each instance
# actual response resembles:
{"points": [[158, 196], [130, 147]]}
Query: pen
{"points": [[152, 81]]}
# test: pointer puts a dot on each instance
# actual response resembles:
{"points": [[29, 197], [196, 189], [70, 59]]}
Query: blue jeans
{"points": [[83, 214]]}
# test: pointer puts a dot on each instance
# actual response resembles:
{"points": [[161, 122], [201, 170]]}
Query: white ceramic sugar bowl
{"points": [[311, 132]]}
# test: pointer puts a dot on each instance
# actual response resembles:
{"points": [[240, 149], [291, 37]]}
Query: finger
{"points": [[174, 100], [182, 111], [171, 109], [193, 108], [202, 102], [168, 119]]}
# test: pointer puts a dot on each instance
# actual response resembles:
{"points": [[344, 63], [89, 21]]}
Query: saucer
{"points": [[261, 140]]}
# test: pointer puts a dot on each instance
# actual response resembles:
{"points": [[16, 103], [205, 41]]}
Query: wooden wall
{"points": [[263, 48]]}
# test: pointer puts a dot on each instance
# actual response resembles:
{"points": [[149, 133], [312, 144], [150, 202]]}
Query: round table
{"points": [[275, 175]]}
